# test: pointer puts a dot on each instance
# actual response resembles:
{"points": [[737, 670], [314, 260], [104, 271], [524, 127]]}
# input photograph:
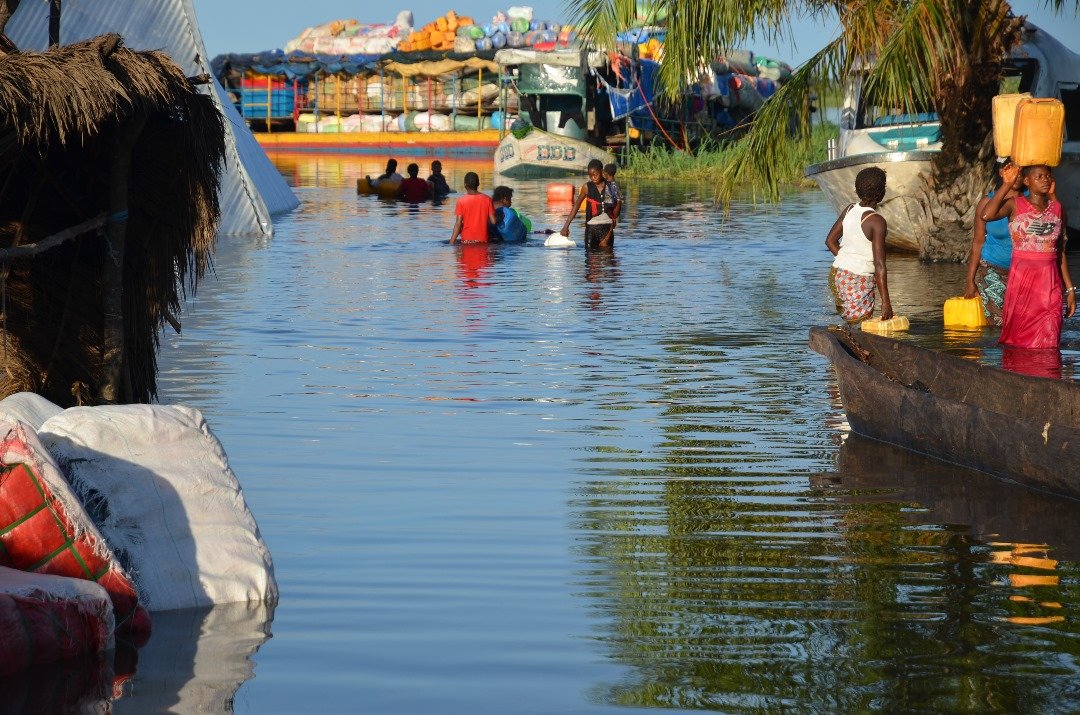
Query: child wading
{"points": [[599, 224], [857, 239]]}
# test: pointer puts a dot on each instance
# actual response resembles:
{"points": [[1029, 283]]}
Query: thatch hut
{"points": [[109, 167]]}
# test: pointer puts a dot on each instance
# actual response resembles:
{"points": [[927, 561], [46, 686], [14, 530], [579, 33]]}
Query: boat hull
{"points": [[541, 154], [904, 206], [1010, 425]]}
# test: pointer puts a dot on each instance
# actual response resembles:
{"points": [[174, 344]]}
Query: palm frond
{"points": [[784, 120]]}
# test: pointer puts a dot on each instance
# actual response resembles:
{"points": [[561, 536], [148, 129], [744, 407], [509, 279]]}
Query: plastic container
{"points": [[882, 327], [1004, 109], [1038, 131], [965, 312], [558, 193]]}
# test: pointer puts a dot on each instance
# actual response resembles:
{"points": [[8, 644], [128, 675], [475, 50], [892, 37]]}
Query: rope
{"points": [[648, 105]]}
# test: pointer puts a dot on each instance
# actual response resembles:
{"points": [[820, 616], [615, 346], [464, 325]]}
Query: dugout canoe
{"points": [[1022, 428]]}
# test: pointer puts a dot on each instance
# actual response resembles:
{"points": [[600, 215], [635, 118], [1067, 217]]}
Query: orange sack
{"points": [[47, 532]]}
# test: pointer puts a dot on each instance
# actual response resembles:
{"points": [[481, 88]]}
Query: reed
{"points": [[708, 161]]}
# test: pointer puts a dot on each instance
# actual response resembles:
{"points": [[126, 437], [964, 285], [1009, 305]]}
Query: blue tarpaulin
{"points": [[295, 65], [628, 99], [301, 65]]}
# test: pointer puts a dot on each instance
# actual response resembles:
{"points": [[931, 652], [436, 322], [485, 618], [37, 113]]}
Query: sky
{"points": [[250, 26]]}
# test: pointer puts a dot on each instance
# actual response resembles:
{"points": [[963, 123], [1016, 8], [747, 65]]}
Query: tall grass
{"points": [[663, 162]]}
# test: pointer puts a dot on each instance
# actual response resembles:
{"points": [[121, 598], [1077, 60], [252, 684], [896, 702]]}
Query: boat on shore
{"points": [[1018, 427], [904, 145]]}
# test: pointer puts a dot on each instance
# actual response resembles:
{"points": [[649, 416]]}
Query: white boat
{"points": [[554, 92], [542, 154], [905, 145]]}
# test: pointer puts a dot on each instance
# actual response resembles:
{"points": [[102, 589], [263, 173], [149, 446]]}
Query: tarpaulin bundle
{"points": [[44, 528], [160, 486], [48, 618], [301, 65]]}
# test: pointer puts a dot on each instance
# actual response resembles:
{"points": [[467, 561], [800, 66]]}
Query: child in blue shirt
{"points": [[613, 198], [509, 224]]}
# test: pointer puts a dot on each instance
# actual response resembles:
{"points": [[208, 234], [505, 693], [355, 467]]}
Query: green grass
{"points": [[663, 162]]}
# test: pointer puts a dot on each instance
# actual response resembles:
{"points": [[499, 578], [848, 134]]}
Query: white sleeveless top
{"points": [[856, 252]]}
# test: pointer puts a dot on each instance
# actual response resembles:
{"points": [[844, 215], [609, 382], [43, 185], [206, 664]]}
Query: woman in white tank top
{"points": [[857, 239]]}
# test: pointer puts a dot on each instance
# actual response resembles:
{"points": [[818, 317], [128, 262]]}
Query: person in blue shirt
{"points": [[509, 224], [991, 254]]}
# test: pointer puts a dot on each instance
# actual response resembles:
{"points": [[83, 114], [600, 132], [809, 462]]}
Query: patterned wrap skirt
{"points": [[853, 293], [991, 280]]}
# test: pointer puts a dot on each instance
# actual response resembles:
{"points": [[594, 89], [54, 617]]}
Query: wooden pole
{"points": [[54, 23], [116, 383]]}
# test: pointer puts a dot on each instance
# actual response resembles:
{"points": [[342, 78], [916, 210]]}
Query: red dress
{"points": [[1032, 313]]}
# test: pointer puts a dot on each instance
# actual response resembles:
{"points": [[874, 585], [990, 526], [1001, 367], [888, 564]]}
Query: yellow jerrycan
{"points": [[1004, 114], [884, 327], [1038, 131], [965, 312]]}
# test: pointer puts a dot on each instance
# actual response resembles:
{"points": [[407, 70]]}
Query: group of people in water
{"points": [[479, 218], [414, 189], [482, 219], [1017, 264]]}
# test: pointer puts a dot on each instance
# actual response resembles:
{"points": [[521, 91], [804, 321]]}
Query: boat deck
{"points": [[478, 143]]}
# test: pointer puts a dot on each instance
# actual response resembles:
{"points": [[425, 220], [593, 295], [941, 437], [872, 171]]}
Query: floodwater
{"points": [[525, 480]]}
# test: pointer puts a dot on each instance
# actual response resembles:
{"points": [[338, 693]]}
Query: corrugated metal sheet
{"points": [[252, 190]]}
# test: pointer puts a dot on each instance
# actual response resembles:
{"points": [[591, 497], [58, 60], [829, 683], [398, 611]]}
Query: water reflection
{"points": [[708, 576], [195, 661], [601, 270]]}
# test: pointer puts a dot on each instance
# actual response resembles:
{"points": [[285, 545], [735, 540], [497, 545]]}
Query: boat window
{"points": [[1018, 75], [871, 114], [1070, 97]]}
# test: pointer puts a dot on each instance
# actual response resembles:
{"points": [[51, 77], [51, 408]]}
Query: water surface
{"points": [[516, 479]]}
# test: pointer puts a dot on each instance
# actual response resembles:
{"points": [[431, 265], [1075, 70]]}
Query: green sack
{"points": [[524, 219]]}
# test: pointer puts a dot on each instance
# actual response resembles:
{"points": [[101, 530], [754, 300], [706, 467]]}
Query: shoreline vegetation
{"points": [[707, 162]]}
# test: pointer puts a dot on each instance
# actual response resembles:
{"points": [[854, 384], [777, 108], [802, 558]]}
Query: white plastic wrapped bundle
{"points": [[524, 12], [28, 407], [432, 122], [161, 485], [486, 92], [349, 37], [352, 123]]}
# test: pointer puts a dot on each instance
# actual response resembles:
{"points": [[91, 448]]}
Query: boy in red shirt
{"points": [[474, 212]]}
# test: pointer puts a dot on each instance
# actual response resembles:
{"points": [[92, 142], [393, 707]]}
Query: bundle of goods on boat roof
{"points": [[515, 27], [350, 37]]}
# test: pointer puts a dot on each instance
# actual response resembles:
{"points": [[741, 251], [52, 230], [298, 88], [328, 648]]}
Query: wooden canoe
{"points": [[1022, 428]]}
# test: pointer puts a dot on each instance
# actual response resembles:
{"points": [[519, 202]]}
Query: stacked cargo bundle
{"points": [[514, 28], [440, 35], [350, 37]]}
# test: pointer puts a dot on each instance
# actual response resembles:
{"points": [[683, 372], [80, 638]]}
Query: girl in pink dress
{"points": [[1031, 315]]}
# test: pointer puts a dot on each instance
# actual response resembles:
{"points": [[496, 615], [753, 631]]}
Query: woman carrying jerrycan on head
{"points": [[1032, 312]]}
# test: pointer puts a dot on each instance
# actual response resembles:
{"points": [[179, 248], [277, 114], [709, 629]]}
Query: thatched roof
{"points": [[60, 112]]}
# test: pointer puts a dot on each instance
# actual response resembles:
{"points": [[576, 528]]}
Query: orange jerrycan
{"points": [[1004, 112], [1038, 130]]}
